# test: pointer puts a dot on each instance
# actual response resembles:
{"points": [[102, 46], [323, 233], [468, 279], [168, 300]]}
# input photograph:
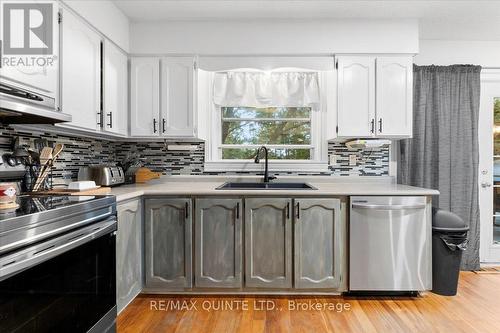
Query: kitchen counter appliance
{"points": [[57, 265], [103, 175], [390, 244]]}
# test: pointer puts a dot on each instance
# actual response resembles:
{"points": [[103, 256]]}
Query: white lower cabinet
{"points": [[129, 252]]}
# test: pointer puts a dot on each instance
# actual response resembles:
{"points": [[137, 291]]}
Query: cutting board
{"points": [[98, 191], [143, 175]]}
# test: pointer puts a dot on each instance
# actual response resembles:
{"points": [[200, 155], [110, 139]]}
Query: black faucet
{"points": [[267, 178]]}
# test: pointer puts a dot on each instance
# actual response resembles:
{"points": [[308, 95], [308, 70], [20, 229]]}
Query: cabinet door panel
{"points": [[268, 245], [218, 243], [177, 80], [318, 245], [115, 118], [81, 72], [168, 244], [145, 96], [128, 253], [394, 96], [356, 96]]}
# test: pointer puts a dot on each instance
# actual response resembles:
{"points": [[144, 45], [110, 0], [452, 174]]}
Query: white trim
{"points": [[274, 165], [319, 134]]}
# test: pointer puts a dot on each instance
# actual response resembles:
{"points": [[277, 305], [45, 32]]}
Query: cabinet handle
{"points": [[164, 125], [298, 210], [287, 210], [372, 125], [238, 211], [187, 210], [99, 123], [154, 125], [110, 115], [380, 125]]}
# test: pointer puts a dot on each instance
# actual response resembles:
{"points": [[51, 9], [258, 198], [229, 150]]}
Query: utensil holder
{"points": [[35, 171]]}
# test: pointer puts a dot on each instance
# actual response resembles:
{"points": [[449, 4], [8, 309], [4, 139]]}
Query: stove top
{"points": [[40, 217], [32, 204]]}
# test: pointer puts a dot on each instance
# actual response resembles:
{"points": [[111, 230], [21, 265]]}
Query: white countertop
{"points": [[326, 186]]}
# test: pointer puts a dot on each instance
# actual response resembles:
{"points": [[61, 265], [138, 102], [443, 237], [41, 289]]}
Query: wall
{"points": [[106, 18], [80, 151], [446, 52], [300, 37]]}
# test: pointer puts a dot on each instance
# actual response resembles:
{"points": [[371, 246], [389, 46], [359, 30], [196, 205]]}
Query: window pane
{"points": [[274, 153], [266, 132], [252, 113]]}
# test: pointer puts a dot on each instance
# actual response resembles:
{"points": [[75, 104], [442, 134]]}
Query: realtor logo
{"points": [[27, 28]]}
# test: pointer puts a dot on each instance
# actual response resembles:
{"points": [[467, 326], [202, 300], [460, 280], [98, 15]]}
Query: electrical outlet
{"points": [[333, 159], [353, 160]]}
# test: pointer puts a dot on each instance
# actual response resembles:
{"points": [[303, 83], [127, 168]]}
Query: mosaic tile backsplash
{"points": [[79, 151]]}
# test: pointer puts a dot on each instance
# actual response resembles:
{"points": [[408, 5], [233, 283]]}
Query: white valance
{"points": [[266, 89]]}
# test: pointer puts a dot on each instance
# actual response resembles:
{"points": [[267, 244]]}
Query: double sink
{"points": [[265, 186]]}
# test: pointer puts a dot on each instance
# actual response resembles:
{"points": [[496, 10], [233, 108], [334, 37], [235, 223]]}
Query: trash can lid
{"points": [[443, 220]]}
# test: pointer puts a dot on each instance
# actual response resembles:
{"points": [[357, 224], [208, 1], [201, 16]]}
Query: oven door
{"points": [[66, 284]]}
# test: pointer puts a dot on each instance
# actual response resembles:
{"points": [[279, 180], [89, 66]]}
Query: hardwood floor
{"points": [[476, 308]]}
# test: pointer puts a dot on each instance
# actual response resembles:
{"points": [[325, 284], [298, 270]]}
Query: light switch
{"points": [[333, 159], [353, 160]]}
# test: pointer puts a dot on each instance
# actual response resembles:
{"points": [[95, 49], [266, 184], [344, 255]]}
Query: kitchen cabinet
{"points": [[318, 243], [268, 242], [115, 78], [162, 95], [42, 79], [374, 96], [168, 243], [177, 99], [356, 96], [394, 96], [145, 96], [128, 252], [81, 72], [218, 243]]}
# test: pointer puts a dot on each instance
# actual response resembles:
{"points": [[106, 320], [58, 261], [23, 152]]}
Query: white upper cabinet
{"points": [[162, 97], [43, 79], [81, 70], [115, 113], [375, 96], [177, 83], [356, 96], [394, 96], [145, 96]]}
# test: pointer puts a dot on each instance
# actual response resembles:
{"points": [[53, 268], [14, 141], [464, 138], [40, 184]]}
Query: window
{"points": [[296, 137], [286, 131]]}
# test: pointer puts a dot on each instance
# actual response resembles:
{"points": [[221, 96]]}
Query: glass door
{"points": [[489, 166]]}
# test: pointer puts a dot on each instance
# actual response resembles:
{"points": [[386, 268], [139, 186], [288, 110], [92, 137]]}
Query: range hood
{"points": [[21, 106]]}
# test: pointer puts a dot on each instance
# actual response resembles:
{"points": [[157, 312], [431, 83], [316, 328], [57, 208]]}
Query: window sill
{"points": [[274, 166]]}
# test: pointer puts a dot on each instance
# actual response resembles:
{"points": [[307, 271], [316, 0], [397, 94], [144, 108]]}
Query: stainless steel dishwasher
{"points": [[390, 244]]}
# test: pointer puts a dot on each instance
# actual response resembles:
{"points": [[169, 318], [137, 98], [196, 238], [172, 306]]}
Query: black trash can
{"points": [[449, 240]]}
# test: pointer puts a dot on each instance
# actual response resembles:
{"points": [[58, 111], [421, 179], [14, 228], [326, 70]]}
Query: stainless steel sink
{"points": [[265, 186]]}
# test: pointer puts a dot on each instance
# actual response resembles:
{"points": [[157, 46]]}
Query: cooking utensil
{"points": [[45, 158], [58, 148]]}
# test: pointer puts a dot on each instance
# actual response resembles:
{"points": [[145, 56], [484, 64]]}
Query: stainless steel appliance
{"points": [[19, 105], [102, 175], [57, 265], [390, 244]]}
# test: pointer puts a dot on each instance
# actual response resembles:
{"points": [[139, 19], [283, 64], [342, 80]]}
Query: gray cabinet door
{"points": [[268, 243], [318, 243], [168, 231], [218, 243], [128, 253]]}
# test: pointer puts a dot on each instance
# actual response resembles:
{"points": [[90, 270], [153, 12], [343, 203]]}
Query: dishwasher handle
{"points": [[387, 207]]}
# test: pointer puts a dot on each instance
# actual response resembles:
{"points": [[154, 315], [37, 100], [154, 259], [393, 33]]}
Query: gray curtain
{"points": [[443, 153]]}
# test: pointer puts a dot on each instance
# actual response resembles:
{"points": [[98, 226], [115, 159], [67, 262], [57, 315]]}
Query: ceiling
{"points": [[443, 19]]}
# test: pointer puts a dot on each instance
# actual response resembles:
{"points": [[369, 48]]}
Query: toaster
{"points": [[103, 175]]}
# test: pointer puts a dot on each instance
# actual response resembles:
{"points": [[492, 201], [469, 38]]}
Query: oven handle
{"points": [[387, 207], [34, 255]]}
